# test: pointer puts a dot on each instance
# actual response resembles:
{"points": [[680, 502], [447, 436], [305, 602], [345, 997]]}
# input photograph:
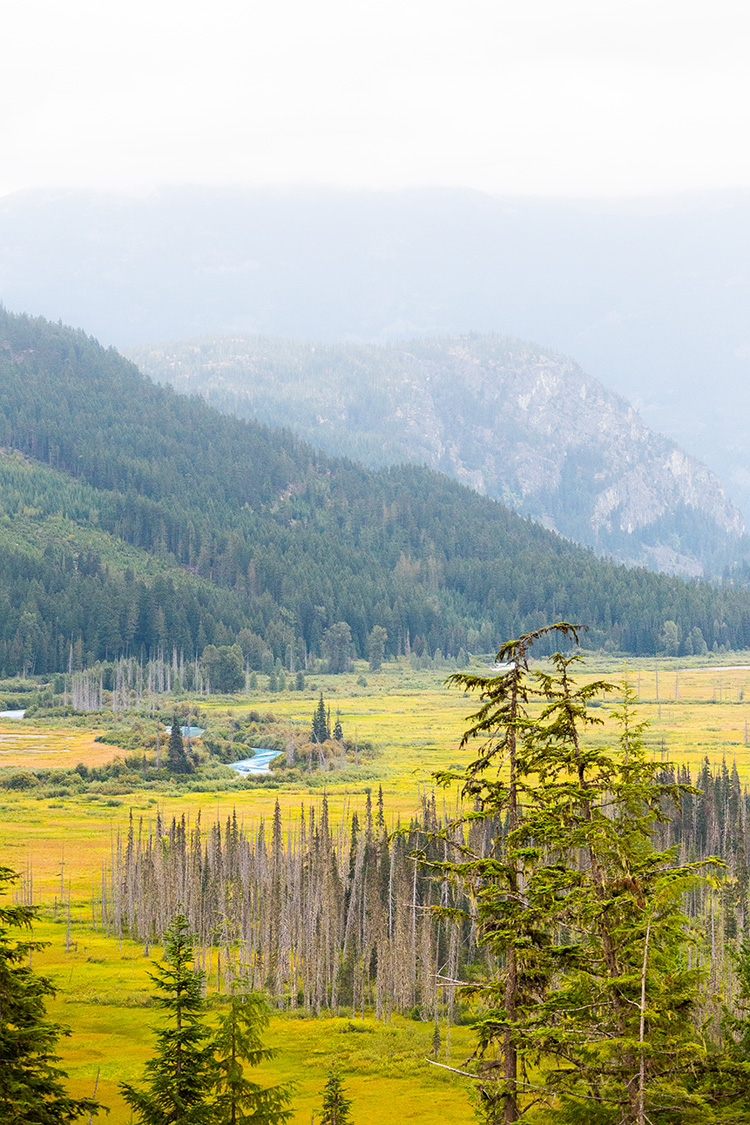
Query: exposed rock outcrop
{"points": [[524, 425]]}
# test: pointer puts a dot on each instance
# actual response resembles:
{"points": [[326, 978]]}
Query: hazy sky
{"points": [[542, 97]]}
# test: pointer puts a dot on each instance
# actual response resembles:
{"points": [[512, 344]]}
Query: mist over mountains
{"points": [[524, 425], [650, 298]]}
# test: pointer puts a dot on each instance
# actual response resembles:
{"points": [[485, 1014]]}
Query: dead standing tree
{"points": [[323, 916]]}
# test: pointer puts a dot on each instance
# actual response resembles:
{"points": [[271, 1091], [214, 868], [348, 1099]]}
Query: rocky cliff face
{"points": [[524, 425]]}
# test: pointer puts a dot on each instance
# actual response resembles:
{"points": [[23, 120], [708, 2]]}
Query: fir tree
{"points": [[180, 1077], [238, 1040], [380, 821], [337, 647], [177, 759], [335, 1102], [608, 1006], [321, 730], [621, 1021], [31, 1087], [503, 720]]}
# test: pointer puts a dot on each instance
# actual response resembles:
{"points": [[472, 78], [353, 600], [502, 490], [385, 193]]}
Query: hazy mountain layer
{"points": [[133, 519], [651, 297], [523, 425]]}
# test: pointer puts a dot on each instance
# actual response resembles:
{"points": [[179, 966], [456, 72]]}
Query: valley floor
{"points": [[697, 708]]}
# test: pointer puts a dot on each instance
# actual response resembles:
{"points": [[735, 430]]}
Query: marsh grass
{"points": [[105, 996], [414, 721], [700, 710]]}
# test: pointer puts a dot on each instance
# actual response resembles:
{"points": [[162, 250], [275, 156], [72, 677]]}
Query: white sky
{"points": [[520, 97]]}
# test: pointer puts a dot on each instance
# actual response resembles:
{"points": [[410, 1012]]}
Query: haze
{"points": [[576, 99]]}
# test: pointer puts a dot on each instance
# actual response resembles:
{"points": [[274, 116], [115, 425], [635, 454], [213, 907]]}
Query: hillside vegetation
{"points": [[136, 518], [522, 424]]}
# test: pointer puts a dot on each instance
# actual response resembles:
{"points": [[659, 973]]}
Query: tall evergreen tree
{"points": [[238, 1040], [503, 721], [337, 647], [321, 730], [621, 1020], [582, 915], [31, 1085], [177, 759], [180, 1077]]}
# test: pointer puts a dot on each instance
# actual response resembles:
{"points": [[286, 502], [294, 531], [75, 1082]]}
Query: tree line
{"points": [[326, 916]]}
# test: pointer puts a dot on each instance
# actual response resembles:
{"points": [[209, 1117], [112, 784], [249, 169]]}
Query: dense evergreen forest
{"points": [[134, 520], [519, 423]]}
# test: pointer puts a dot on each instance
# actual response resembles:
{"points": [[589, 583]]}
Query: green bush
{"points": [[20, 779]]}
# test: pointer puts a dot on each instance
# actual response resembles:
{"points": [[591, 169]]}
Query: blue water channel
{"points": [[257, 764]]}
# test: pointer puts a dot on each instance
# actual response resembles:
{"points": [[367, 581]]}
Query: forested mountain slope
{"points": [[519, 423], [650, 296], [135, 517]]}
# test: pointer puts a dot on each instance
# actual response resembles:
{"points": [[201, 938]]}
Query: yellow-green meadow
{"points": [[696, 708], [105, 995]]}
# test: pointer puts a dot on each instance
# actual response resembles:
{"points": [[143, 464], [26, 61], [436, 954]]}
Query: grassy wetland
{"points": [[697, 708]]}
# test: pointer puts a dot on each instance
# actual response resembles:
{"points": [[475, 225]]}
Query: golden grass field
{"points": [[696, 708]]}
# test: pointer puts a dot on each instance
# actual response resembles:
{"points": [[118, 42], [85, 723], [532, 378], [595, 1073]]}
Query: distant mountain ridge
{"points": [[521, 424], [136, 521], [650, 296]]}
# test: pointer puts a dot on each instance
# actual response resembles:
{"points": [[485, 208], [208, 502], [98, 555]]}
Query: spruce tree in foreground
{"points": [[623, 1021], [335, 1102], [31, 1088], [238, 1039], [180, 1078], [504, 722], [582, 915]]}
